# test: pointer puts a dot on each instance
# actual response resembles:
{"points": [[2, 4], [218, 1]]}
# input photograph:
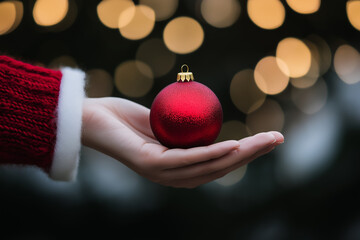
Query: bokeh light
{"points": [[296, 55], [266, 14], [133, 78], [183, 35], [353, 13], [232, 130], [154, 53], [99, 83], [50, 12], [313, 74], [310, 100], [269, 117], [244, 93], [164, 9], [11, 13], [268, 76], [63, 61], [109, 11], [321, 53], [141, 24], [220, 14], [232, 177], [304, 6], [347, 63]]}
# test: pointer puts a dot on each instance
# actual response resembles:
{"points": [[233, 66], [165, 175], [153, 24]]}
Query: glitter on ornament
{"points": [[186, 113]]}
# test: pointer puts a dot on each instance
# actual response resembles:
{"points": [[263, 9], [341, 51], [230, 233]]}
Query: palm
{"points": [[121, 129]]}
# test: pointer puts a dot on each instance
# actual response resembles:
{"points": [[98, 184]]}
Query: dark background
{"points": [[109, 201]]}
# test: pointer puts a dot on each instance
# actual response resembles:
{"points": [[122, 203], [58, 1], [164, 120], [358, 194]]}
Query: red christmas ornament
{"points": [[186, 113]]}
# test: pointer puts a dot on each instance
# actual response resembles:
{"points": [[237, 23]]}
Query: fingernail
{"points": [[279, 138], [274, 140]]}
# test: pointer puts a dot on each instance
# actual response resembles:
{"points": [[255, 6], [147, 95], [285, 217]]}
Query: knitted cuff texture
{"points": [[28, 104]]}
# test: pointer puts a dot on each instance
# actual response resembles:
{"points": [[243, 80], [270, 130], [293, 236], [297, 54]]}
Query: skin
{"points": [[121, 129]]}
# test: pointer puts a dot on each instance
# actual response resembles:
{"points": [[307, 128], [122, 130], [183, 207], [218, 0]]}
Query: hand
{"points": [[121, 129]]}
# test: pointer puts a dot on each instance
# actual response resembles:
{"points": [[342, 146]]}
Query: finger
{"points": [[175, 158], [197, 181], [248, 147]]}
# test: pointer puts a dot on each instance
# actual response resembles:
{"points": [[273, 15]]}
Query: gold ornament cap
{"points": [[185, 76]]}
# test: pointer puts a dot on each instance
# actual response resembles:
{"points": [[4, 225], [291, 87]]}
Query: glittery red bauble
{"points": [[186, 114]]}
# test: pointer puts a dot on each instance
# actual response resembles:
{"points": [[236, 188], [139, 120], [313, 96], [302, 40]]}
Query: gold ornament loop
{"points": [[185, 76], [182, 68]]}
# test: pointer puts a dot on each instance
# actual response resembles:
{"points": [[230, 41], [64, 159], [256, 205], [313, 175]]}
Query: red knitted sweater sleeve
{"points": [[28, 104]]}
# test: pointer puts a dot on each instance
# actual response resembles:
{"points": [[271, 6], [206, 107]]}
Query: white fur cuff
{"points": [[69, 119]]}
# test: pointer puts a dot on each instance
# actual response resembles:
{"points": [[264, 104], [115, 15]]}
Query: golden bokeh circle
{"points": [[99, 83], [266, 14], [347, 63], [133, 78], [304, 6], [164, 9], [310, 100], [109, 11], [183, 35], [244, 93], [141, 23], [268, 76], [353, 13], [63, 61], [269, 117], [50, 12], [322, 53], [296, 55], [232, 130], [346, 59], [154, 53], [220, 14], [11, 13], [310, 78]]}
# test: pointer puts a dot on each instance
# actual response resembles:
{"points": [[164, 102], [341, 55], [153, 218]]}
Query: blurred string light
{"points": [[11, 13], [296, 55], [268, 76], [304, 6], [244, 93], [50, 12], [220, 14], [232, 177], [269, 117], [133, 78], [320, 52], [183, 35], [164, 9], [109, 11], [266, 14], [310, 100], [321, 59], [353, 13], [347, 64], [63, 61], [154, 53], [310, 78], [136, 22], [232, 130], [99, 83]]}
